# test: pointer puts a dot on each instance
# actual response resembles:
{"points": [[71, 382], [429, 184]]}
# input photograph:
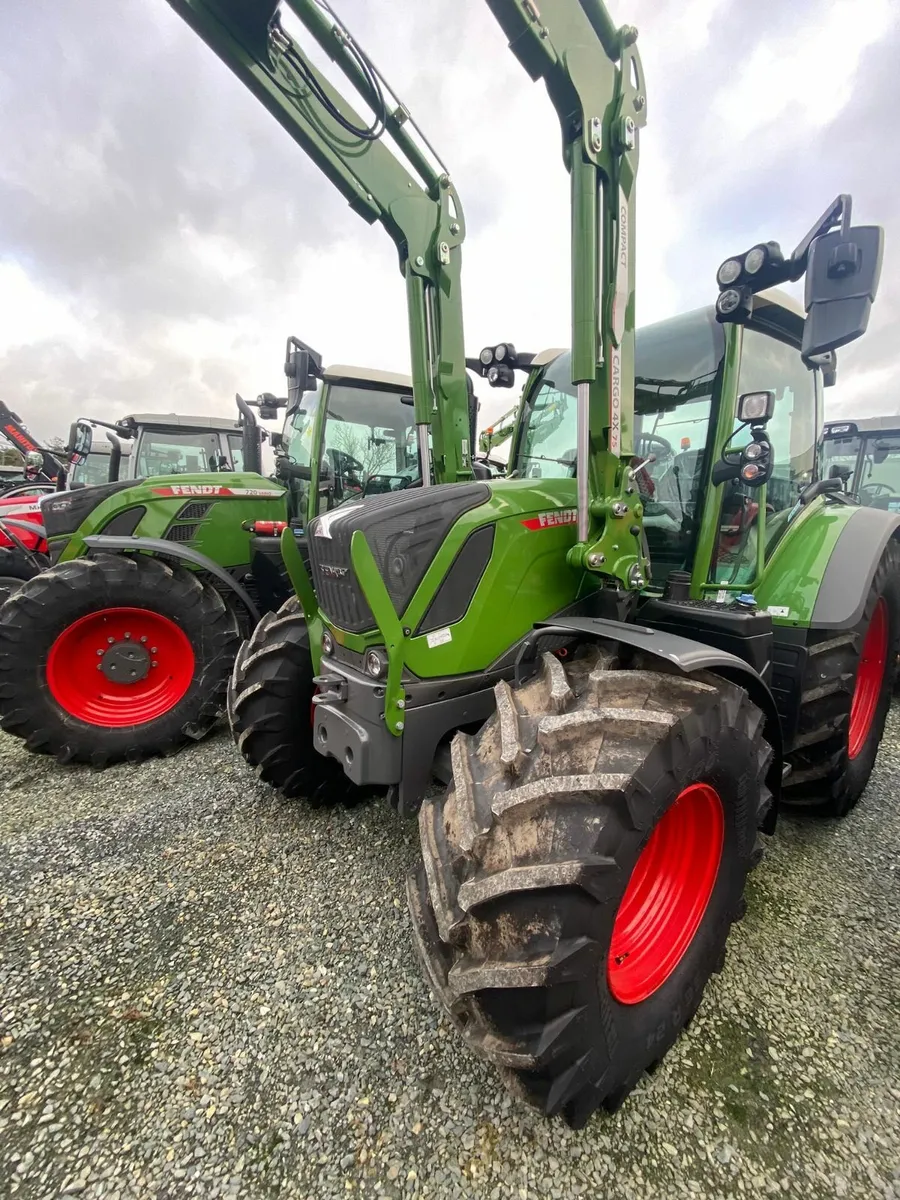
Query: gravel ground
{"points": [[208, 991]]}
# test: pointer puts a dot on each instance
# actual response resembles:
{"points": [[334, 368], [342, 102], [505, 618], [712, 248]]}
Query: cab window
{"points": [[768, 364], [677, 368], [177, 453]]}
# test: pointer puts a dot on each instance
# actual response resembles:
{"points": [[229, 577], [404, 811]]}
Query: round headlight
{"points": [[500, 352], [751, 471], [728, 272], [376, 663], [755, 260], [327, 643], [487, 355], [753, 450], [728, 301], [493, 374]]}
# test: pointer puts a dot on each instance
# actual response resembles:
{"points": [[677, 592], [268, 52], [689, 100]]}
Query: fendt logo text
{"points": [[560, 516]]}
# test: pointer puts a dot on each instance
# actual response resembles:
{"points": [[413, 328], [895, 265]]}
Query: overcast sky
{"points": [[160, 235]]}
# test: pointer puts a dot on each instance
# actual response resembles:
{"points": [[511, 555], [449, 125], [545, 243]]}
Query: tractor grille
{"points": [[404, 531], [181, 533], [196, 510]]}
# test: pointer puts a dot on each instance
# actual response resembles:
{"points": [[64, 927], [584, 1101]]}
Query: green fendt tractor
{"points": [[622, 656], [124, 646]]}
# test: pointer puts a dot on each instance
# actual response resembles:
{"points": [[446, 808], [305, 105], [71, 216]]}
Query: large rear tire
{"points": [[114, 658], [846, 694], [270, 711], [17, 567], [582, 872]]}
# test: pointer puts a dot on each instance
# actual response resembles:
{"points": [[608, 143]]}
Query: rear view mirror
{"points": [[302, 366], [81, 438], [841, 282]]}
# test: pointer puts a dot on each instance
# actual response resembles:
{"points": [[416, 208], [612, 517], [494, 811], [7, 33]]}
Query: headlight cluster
{"points": [[742, 275]]}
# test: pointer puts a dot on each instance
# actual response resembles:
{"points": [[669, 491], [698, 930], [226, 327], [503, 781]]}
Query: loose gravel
{"points": [[209, 991]]}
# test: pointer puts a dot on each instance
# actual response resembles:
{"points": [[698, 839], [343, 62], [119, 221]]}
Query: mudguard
{"points": [[851, 567], [684, 653], [120, 545]]}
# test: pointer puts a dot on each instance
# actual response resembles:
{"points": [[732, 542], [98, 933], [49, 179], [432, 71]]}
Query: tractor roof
{"points": [[340, 373], [174, 421], [848, 428]]}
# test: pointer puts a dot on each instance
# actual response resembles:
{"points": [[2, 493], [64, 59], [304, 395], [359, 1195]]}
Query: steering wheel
{"points": [[646, 442], [876, 489]]}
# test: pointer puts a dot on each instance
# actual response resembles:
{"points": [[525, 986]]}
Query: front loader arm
{"points": [[17, 435], [409, 192], [593, 75]]}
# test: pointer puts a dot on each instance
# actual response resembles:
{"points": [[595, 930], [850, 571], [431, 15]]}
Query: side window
{"points": [[236, 448], [768, 365]]}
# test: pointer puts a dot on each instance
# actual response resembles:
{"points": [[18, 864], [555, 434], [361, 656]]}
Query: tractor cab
{"points": [[102, 459], [690, 371], [349, 434], [167, 444], [865, 456]]}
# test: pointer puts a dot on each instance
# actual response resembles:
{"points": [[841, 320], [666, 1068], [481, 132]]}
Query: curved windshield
{"points": [[369, 442], [677, 364], [94, 469], [165, 452]]}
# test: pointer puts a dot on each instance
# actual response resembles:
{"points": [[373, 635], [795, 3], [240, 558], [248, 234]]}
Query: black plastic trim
{"points": [[124, 523], [133, 545], [451, 601]]}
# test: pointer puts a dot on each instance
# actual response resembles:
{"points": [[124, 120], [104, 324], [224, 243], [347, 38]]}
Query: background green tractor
{"points": [[619, 658], [124, 646], [864, 455]]}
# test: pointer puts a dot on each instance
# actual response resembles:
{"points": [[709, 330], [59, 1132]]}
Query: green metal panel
{"points": [[219, 535], [527, 579], [793, 574]]}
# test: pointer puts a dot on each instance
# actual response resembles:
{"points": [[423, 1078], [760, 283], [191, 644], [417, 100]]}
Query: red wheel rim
{"points": [[667, 895], [869, 678], [157, 676]]}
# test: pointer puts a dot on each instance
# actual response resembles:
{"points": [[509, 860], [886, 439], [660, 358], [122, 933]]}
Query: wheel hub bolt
{"points": [[99, 653], [152, 649], [154, 664], [110, 641], [143, 640], [127, 636]]}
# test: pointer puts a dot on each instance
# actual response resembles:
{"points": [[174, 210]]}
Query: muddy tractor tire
{"points": [[270, 710], [114, 658], [17, 567], [846, 694], [582, 872]]}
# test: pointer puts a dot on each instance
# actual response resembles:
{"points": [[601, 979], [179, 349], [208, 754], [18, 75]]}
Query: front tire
{"points": [[17, 567], [582, 872], [114, 658], [270, 711]]}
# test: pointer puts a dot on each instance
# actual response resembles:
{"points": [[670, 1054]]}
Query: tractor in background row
{"points": [[864, 455], [621, 657], [125, 646]]}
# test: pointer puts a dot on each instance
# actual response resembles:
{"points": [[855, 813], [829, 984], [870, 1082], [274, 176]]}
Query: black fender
{"points": [[685, 654], [851, 568], [125, 545]]}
